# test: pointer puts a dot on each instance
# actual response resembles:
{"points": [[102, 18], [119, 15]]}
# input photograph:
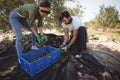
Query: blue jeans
{"points": [[80, 43], [16, 21]]}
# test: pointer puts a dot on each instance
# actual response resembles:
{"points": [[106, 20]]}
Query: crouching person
{"points": [[78, 39]]}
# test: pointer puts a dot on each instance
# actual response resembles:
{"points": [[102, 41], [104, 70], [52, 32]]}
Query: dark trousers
{"points": [[80, 43]]}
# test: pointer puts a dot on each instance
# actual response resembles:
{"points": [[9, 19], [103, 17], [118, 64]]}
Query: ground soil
{"points": [[101, 62]]}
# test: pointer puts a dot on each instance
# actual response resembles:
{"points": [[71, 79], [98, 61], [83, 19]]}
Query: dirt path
{"points": [[102, 62], [107, 53]]}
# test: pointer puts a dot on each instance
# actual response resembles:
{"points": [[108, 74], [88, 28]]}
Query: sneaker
{"points": [[35, 47], [78, 56]]}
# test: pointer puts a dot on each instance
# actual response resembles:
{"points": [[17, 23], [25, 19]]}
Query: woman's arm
{"points": [[41, 30], [34, 31]]}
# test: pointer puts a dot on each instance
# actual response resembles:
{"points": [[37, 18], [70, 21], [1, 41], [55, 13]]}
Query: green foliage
{"points": [[52, 21], [107, 17], [6, 6], [77, 10], [91, 23]]}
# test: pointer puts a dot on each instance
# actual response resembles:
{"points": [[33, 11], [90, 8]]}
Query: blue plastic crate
{"points": [[38, 65]]}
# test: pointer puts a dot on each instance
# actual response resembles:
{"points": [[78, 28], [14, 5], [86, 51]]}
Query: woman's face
{"points": [[44, 11]]}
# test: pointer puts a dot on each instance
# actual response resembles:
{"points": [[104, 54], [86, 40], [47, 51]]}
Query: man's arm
{"points": [[75, 35], [66, 35]]}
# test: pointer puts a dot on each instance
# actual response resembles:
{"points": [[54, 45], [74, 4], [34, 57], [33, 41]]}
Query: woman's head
{"points": [[65, 17], [44, 8]]}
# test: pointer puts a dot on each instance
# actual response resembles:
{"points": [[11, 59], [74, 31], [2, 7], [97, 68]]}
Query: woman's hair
{"points": [[64, 14], [45, 3]]}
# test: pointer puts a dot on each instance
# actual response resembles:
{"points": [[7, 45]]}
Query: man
{"points": [[79, 34], [26, 15]]}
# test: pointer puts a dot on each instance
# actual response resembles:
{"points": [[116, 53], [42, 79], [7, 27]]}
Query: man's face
{"points": [[44, 11], [65, 20]]}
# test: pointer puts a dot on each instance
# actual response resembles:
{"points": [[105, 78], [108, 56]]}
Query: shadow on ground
{"points": [[68, 68]]}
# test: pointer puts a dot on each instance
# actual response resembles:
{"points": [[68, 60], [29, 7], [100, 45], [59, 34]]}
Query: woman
{"points": [[79, 34], [26, 15]]}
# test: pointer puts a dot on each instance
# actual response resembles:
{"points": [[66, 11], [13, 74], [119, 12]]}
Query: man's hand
{"points": [[65, 48], [62, 45]]}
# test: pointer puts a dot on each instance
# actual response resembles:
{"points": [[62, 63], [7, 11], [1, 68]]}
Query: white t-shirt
{"points": [[76, 23]]}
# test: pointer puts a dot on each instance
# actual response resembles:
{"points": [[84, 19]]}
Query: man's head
{"points": [[65, 17], [44, 8]]}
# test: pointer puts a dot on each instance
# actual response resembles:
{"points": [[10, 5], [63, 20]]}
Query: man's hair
{"points": [[64, 14], [45, 3]]}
